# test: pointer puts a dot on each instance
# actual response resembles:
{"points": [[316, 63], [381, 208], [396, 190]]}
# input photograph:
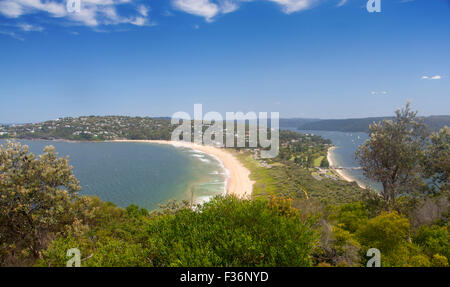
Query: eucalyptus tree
{"points": [[394, 154], [36, 195]]}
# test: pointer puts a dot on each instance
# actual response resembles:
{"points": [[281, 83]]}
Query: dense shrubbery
{"points": [[223, 232]]}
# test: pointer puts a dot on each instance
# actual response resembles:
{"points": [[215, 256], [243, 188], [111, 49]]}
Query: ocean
{"points": [[139, 173]]}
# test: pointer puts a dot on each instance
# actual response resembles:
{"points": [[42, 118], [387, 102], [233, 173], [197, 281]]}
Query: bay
{"points": [[139, 173]]}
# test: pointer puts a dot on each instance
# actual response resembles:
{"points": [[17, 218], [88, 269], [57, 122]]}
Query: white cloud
{"points": [[92, 13], [436, 77], [228, 6], [373, 93], [95, 13], [143, 10], [211, 8], [11, 9], [290, 6], [139, 21], [203, 8]]}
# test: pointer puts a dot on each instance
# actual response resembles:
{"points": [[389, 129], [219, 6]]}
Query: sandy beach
{"points": [[238, 184], [339, 171]]}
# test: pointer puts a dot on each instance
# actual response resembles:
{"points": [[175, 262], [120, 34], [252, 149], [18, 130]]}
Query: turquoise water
{"points": [[139, 173], [344, 154]]}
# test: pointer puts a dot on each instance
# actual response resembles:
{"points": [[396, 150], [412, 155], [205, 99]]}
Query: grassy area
{"points": [[265, 184], [293, 181], [318, 160]]}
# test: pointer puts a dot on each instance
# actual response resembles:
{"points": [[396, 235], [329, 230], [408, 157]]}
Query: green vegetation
{"points": [[405, 159], [394, 153], [224, 232], [294, 174], [293, 219], [93, 128], [34, 200]]}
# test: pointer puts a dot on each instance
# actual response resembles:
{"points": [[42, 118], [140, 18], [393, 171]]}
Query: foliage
{"points": [[351, 216], [439, 261], [338, 247], [232, 232], [394, 153], [437, 165], [224, 232], [388, 232], [433, 239], [35, 199]]}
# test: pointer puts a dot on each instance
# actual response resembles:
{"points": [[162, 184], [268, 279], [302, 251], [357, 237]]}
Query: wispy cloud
{"points": [[341, 3], [98, 14], [436, 77], [11, 34], [374, 93], [210, 8], [29, 27], [203, 8], [92, 13], [291, 6]]}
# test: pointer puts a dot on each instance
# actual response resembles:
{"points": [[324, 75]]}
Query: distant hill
{"points": [[434, 123], [295, 122]]}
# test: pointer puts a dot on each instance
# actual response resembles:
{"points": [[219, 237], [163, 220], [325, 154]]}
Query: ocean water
{"points": [[343, 155], [139, 173]]}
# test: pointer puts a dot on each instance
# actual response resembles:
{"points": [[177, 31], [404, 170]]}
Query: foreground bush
{"points": [[231, 232], [224, 232]]}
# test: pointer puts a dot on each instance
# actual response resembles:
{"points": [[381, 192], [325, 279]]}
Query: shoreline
{"points": [[340, 172], [238, 181]]}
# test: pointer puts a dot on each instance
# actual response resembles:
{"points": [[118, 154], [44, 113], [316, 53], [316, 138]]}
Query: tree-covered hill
{"points": [[434, 123], [92, 128]]}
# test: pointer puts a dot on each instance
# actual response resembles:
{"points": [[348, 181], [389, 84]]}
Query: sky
{"points": [[301, 58]]}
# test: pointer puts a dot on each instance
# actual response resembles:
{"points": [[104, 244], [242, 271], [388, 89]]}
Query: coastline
{"points": [[338, 171], [238, 181]]}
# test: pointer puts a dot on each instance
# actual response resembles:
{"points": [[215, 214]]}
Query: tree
{"points": [[393, 154], [35, 196], [324, 163], [437, 165]]}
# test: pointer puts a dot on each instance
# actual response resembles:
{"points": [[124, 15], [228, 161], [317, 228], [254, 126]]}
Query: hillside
{"points": [[434, 123]]}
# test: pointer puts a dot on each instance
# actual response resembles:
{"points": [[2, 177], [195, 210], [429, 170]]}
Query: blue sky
{"points": [[302, 58]]}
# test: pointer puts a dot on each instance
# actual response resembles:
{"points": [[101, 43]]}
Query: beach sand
{"points": [[238, 183], [339, 171]]}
